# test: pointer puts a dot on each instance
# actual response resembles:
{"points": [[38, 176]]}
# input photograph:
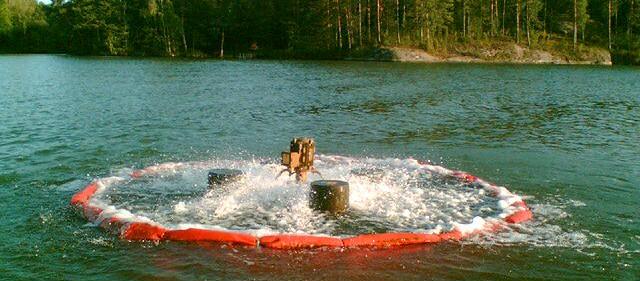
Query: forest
{"points": [[312, 28]]}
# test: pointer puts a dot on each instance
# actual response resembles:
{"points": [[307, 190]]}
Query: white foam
{"points": [[181, 207], [385, 195], [405, 196], [477, 224]]}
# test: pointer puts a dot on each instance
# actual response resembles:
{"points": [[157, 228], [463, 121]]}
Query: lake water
{"points": [[567, 138]]}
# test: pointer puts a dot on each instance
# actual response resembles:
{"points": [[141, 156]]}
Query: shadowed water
{"points": [[565, 137]]}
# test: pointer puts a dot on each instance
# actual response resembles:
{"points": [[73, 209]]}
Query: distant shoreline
{"points": [[505, 53], [517, 56]]}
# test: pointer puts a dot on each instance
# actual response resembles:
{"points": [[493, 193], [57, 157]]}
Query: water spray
{"points": [[222, 176], [381, 202], [326, 195], [330, 196]]}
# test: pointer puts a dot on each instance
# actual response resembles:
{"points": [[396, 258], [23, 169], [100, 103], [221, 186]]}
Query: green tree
{"points": [[532, 20], [99, 27], [22, 25], [24, 13], [580, 18], [5, 18], [306, 28], [432, 17]]}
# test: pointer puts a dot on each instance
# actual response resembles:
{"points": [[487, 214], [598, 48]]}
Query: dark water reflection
{"points": [[567, 136]]}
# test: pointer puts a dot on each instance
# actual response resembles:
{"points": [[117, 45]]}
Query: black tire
{"points": [[329, 196]]}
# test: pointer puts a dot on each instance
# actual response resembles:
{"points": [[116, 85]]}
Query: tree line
{"points": [[311, 27]]}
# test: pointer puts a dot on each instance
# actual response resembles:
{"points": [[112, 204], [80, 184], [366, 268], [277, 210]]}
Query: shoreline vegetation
{"points": [[428, 31]]}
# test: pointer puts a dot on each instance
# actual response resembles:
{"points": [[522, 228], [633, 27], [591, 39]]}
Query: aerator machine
{"points": [[330, 196]]}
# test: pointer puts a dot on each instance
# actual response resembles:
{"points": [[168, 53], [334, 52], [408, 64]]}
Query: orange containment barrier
{"points": [[451, 236], [292, 241], [84, 195], [138, 228], [194, 234], [390, 239], [143, 231], [519, 216], [467, 178]]}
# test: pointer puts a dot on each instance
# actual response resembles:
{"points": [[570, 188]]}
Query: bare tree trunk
{"points": [[469, 24], [164, 30], [386, 21], [464, 19], [222, 45], [360, 23], [575, 24], [126, 26], [168, 36], [404, 13], [184, 38], [497, 11], [492, 19], [517, 21], [398, 21], [428, 33], [379, 9], [610, 9], [528, 24], [368, 22], [504, 14], [328, 10], [348, 18], [339, 25], [630, 31]]}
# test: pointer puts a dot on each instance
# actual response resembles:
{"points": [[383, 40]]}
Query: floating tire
{"points": [[132, 227], [329, 196]]}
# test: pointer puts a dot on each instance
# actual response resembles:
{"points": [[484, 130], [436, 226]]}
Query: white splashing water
{"points": [[552, 227], [385, 195]]}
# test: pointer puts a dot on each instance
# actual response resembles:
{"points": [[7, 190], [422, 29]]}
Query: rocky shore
{"points": [[506, 53]]}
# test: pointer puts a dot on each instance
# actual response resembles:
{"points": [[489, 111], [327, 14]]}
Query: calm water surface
{"points": [[565, 137]]}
